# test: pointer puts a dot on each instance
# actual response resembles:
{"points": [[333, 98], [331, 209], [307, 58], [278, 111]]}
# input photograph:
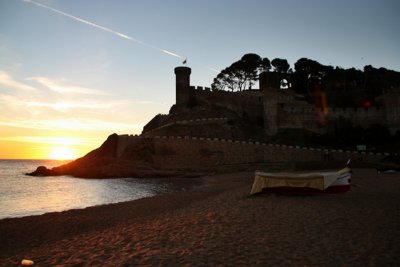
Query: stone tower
{"points": [[269, 85], [182, 75]]}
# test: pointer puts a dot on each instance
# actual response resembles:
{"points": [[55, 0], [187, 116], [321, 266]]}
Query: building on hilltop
{"points": [[275, 109]]}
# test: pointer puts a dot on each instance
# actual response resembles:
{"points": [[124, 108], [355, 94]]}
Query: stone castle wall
{"points": [[364, 117], [279, 109], [245, 104], [290, 113], [124, 141], [178, 152], [306, 118]]}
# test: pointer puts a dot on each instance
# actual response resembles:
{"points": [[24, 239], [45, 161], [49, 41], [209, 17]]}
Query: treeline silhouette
{"points": [[344, 87]]}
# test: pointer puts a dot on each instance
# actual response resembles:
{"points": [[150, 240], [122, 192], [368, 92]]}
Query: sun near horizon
{"points": [[48, 147], [62, 153]]}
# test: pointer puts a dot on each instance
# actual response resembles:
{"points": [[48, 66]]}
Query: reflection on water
{"points": [[22, 195]]}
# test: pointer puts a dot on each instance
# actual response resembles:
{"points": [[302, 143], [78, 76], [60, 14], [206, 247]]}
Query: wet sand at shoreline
{"points": [[218, 223]]}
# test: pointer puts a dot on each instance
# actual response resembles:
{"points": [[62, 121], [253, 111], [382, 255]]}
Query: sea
{"points": [[22, 195]]}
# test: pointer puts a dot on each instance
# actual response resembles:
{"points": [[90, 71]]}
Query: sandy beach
{"points": [[216, 223]]}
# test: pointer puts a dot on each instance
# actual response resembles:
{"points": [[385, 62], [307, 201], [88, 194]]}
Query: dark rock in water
{"points": [[41, 171]]}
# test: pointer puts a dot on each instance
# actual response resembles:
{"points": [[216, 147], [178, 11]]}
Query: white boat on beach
{"points": [[294, 183]]}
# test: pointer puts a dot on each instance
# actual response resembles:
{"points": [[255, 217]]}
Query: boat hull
{"points": [[341, 184], [292, 191]]}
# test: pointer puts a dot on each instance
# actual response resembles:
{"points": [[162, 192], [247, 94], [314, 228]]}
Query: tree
{"points": [[224, 80], [306, 69], [280, 65], [266, 64], [250, 65], [242, 74], [307, 66]]}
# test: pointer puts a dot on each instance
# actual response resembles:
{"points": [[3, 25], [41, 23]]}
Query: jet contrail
{"points": [[104, 29], [212, 69]]}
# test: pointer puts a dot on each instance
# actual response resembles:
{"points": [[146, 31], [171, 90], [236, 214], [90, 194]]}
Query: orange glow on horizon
{"points": [[48, 147], [62, 153]]}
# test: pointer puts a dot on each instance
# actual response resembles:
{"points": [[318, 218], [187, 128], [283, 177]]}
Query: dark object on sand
{"points": [[297, 183], [388, 170]]}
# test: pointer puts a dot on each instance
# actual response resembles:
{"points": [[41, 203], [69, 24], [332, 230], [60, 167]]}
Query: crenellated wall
{"points": [[289, 113], [364, 117], [306, 117], [277, 109], [247, 104], [185, 152]]}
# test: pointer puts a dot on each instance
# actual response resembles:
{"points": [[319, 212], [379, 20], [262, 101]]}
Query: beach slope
{"points": [[218, 223]]}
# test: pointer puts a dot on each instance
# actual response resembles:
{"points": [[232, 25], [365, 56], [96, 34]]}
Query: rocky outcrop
{"points": [[118, 158], [91, 165], [41, 171]]}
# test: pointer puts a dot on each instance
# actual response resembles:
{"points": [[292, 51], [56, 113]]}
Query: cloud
{"points": [[7, 81], [63, 87], [73, 125], [55, 140], [78, 115], [13, 103], [70, 108], [45, 140], [65, 105]]}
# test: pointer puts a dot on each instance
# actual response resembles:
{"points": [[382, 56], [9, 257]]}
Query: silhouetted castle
{"points": [[275, 109], [216, 131]]}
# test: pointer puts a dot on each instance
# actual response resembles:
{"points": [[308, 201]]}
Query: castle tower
{"points": [[182, 75], [269, 84]]}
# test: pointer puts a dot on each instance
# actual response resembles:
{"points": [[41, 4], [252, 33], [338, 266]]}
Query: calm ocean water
{"points": [[22, 195]]}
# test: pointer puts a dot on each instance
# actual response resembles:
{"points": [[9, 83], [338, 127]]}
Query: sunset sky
{"points": [[73, 72]]}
